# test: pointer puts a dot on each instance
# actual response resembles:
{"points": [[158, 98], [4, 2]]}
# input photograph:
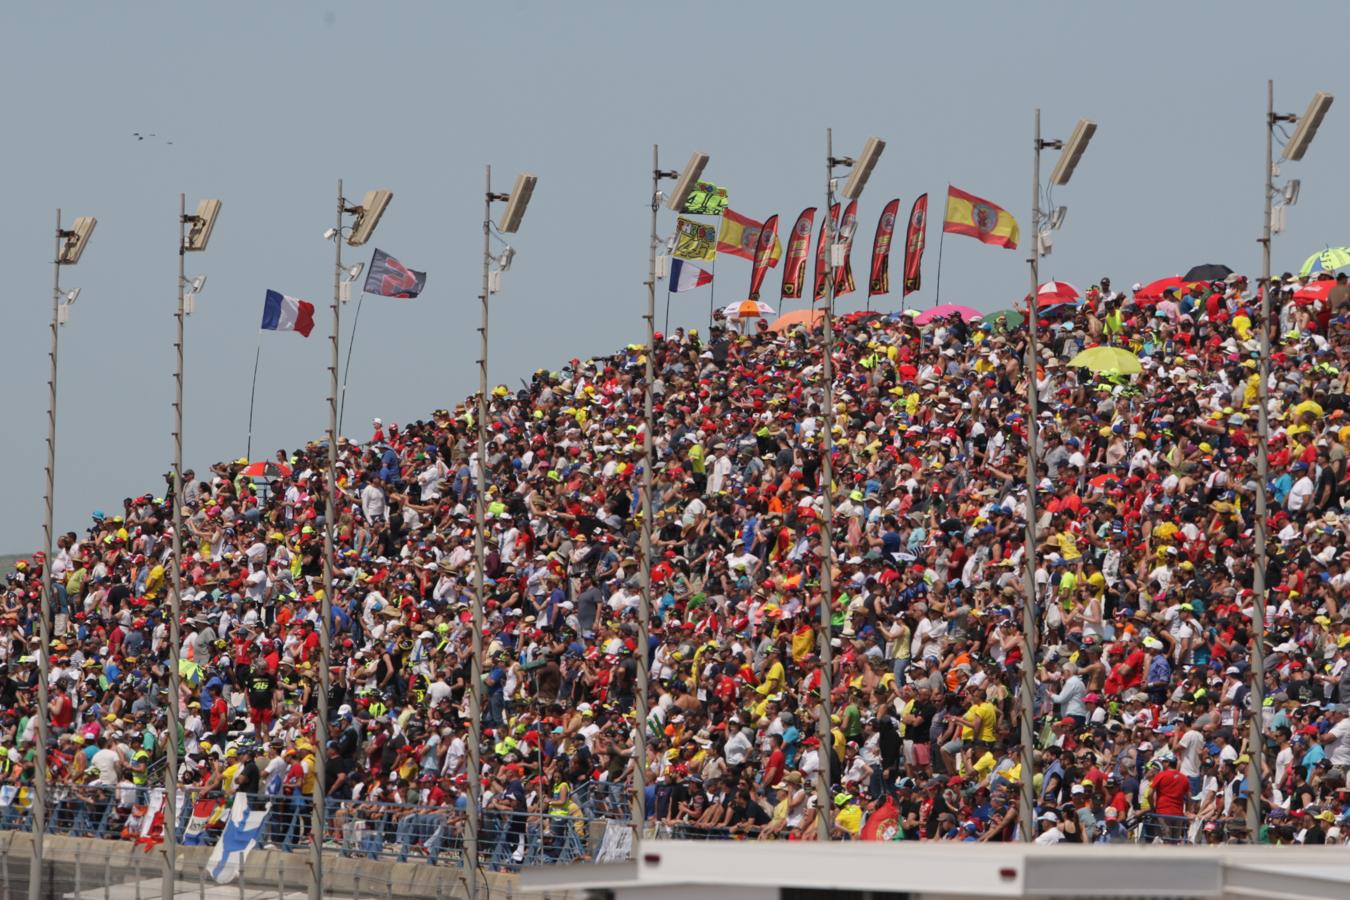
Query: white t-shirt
{"points": [[105, 761], [1339, 750], [1189, 751]]}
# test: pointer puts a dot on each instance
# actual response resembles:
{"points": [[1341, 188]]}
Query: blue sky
{"points": [[268, 104]]}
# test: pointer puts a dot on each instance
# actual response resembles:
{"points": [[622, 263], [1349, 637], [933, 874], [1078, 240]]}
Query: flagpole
{"points": [[347, 366], [252, 396], [712, 290], [937, 293], [826, 477], [666, 328]]}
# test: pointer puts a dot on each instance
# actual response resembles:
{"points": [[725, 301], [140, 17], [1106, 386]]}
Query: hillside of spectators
{"points": [[1144, 575]]}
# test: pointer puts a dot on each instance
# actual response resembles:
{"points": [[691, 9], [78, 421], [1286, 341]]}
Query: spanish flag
{"points": [[739, 236], [982, 220]]}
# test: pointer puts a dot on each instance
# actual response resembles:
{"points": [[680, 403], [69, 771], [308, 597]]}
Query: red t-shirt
{"points": [[1170, 790]]}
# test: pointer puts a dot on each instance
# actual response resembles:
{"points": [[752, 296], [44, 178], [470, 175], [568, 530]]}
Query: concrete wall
{"points": [[84, 863]]}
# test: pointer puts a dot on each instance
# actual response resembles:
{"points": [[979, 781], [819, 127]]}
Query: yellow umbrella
{"points": [[1108, 359]]}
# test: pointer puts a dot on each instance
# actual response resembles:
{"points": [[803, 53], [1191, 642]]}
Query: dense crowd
{"points": [[1145, 500]]}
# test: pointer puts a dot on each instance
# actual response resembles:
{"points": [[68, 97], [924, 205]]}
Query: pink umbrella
{"points": [[947, 309]]}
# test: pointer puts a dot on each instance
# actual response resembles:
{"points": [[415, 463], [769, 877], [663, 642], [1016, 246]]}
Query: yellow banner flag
{"points": [[694, 240]]}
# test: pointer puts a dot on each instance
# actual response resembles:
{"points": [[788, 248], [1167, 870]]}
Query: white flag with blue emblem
{"points": [[241, 834]]}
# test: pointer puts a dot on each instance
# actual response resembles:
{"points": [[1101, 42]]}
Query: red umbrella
{"points": [[1056, 291], [266, 469], [1153, 291], [1312, 292]]}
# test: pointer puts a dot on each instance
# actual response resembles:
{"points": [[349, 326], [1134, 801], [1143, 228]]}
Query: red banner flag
{"points": [[768, 239], [843, 275], [880, 280], [799, 247], [914, 241], [821, 262]]}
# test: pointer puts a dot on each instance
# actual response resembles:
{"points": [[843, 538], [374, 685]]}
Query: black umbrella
{"points": [[1208, 272]]}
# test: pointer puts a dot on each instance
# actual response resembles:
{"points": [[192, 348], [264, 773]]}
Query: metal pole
{"points": [[1256, 741], [473, 819], [1026, 811], [319, 813], [175, 598], [823, 799], [645, 609], [44, 623]]}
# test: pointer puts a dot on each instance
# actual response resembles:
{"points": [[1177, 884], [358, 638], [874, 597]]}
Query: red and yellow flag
{"points": [[980, 219], [739, 236], [799, 248]]}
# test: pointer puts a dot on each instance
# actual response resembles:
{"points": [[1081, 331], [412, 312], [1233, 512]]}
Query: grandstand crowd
{"points": [[1145, 500]]}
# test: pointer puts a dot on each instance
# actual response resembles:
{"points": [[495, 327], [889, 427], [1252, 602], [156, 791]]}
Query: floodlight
{"points": [[1073, 151], [354, 271], [368, 216], [516, 203], [197, 284], [76, 240], [863, 167], [1291, 189], [202, 223], [72, 295], [688, 178], [504, 261], [1057, 217], [1307, 127], [329, 234]]}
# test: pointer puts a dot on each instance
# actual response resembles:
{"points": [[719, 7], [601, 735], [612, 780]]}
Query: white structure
{"points": [[748, 870]]}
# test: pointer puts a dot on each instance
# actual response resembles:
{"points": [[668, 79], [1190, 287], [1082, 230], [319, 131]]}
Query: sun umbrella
{"points": [[947, 309], [808, 317], [1011, 317], [1153, 291], [1208, 272], [1107, 359], [1314, 291], [1060, 291], [748, 309], [265, 469], [1328, 260]]}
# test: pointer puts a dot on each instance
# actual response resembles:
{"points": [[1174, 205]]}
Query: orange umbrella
{"points": [[808, 317]]}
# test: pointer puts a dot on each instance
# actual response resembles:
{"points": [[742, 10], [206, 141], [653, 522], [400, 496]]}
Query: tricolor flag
{"points": [[283, 313], [684, 277], [390, 278], [980, 219]]}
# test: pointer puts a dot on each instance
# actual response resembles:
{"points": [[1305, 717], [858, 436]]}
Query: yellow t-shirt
{"points": [[849, 818], [773, 679], [988, 717]]}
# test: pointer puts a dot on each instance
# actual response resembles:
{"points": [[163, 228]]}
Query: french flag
{"points": [[684, 277], [283, 313]]}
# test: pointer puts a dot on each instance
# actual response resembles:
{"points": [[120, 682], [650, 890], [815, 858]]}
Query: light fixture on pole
{"points": [[194, 232], [1072, 152], [1305, 129], [862, 168], [70, 245], [516, 203], [684, 185], [364, 219]]}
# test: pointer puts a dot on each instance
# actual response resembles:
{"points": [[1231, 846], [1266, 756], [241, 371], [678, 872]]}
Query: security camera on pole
{"points": [[193, 234], [366, 217], [1063, 171], [1305, 128], [862, 168], [516, 203], [70, 244], [683, 187]]}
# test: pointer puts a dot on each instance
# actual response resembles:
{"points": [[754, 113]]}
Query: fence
{"points": [[356, 829]]}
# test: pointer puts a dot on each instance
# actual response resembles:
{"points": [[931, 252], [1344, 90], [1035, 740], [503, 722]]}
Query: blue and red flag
{"points": [[390, 278]]}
